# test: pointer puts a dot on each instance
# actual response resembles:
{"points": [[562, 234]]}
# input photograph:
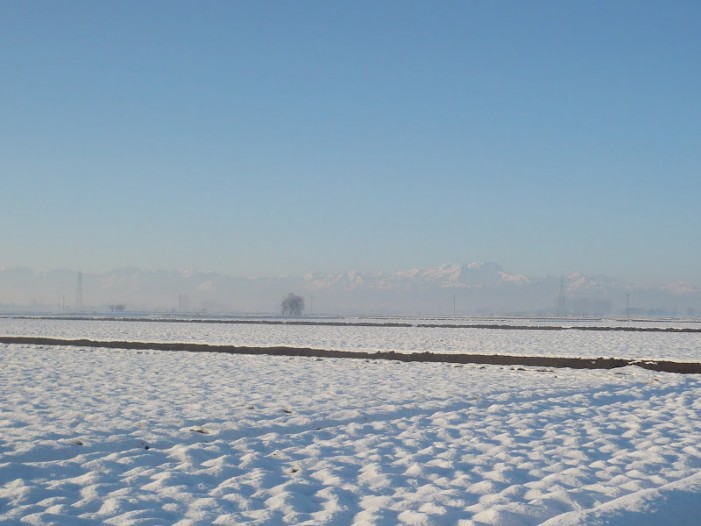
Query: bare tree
{"points": [[292, 305]]}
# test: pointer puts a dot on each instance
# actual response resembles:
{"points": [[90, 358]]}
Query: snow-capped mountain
{"points": [[474, 275], [466, 289]]}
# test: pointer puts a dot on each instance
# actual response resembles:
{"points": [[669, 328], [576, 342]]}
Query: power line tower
{"points": [[79, 292], [561, 299]]}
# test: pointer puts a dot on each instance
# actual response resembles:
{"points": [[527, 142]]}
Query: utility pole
{"points": [[561, 300], [79, 292]]}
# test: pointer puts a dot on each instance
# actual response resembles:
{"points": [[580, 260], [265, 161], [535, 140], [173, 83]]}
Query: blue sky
{"points": [[271, 138]]}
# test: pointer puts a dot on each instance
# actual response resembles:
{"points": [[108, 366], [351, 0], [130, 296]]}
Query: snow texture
{"points": [[96, 436]]}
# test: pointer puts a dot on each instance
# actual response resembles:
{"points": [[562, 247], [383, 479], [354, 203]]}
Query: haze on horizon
{"points": [[279, 138]]}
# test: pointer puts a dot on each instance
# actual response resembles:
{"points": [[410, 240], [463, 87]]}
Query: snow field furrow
{"points": [[684, 347]]}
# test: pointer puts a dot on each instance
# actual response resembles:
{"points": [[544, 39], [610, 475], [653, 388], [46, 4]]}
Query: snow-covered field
{"points": [[97, 436], [676, 346]]}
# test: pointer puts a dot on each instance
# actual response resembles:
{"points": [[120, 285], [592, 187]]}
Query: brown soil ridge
{"points": [[393, 324], [458, 358]]}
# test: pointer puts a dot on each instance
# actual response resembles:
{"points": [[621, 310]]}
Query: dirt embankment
{"points": [[484, 359], [332, 323]]}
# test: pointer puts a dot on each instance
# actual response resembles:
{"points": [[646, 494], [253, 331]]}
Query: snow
{"points": [[675, 346], [675, 503], [98, 436]]}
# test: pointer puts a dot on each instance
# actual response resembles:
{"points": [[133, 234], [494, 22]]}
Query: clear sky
{"points": [[280, 137]]}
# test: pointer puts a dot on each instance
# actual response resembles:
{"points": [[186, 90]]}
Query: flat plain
{"points": [[104, 436]]}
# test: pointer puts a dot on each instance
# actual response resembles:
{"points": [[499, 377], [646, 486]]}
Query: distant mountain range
{"points": [[471, 289]]}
